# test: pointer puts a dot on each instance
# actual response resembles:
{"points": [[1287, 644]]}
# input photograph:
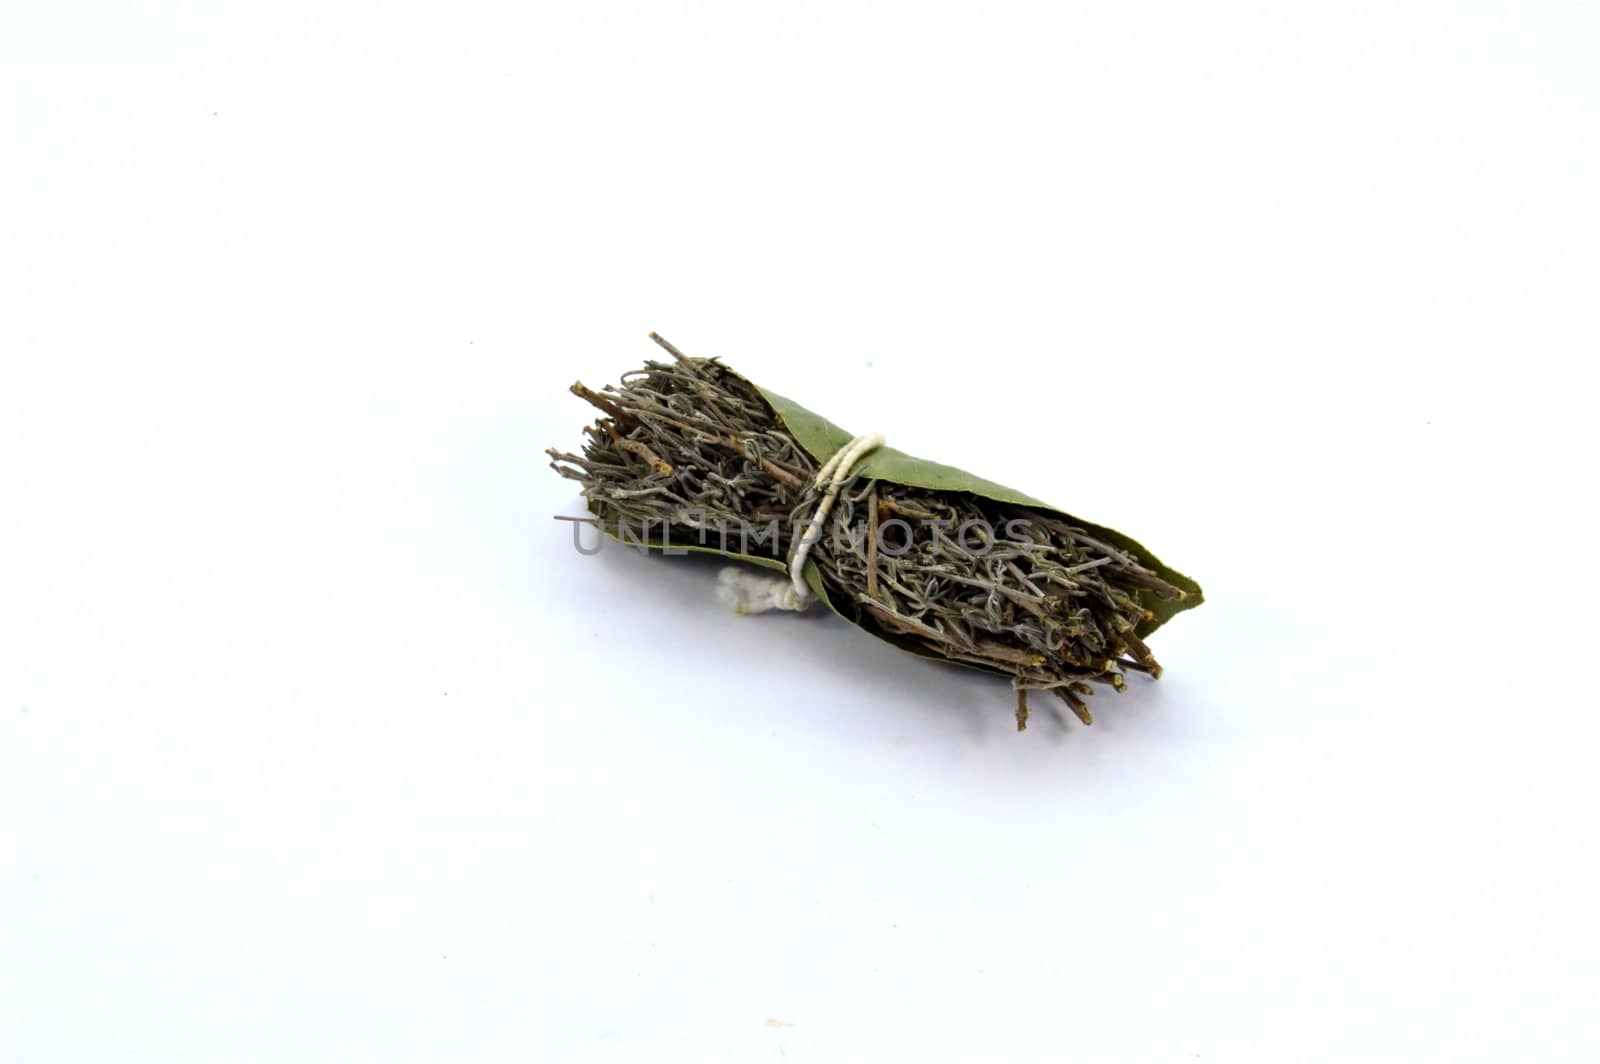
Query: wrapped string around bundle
{"points": [[934, 560]]}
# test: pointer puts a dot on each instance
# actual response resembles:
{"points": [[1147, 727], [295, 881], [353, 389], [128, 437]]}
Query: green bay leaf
{"points": [[821, 438]]}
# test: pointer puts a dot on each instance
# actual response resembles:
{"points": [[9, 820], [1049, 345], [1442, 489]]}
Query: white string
{"points": [[748, 592], [745, 591]]}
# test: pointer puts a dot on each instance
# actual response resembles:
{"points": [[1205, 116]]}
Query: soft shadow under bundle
{"points": [[688, 453]]}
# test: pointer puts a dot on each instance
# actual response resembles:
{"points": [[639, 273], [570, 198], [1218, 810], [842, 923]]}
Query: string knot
{"points": [[748, 592]]}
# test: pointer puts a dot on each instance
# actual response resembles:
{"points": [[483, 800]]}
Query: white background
{"points": [[318, 742]]}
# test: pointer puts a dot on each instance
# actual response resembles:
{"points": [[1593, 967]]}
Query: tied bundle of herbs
{"points": [[689, 454]]}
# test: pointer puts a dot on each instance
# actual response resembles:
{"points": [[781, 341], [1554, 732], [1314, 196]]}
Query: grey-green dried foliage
{"points": [[932, 559]]}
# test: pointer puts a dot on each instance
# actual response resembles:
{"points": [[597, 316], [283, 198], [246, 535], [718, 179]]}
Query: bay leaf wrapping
{"points": [[821, 438]]}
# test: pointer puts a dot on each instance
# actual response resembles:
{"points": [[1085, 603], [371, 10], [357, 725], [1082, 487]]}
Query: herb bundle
{"points": [[688, 453]]}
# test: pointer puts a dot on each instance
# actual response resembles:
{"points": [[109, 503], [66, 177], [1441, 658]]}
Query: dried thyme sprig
{"points": [[692, 447]]}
